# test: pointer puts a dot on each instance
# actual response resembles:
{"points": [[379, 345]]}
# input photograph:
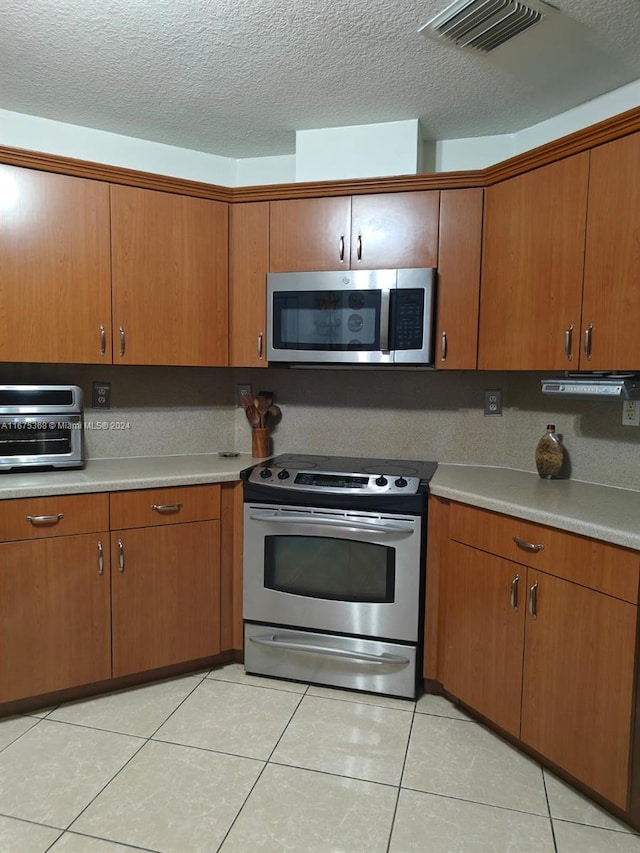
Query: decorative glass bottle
{"points": [[549, 454]]}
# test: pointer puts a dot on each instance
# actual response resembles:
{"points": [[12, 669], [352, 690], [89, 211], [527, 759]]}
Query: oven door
{"points": [[41, 441], [333, 570]]}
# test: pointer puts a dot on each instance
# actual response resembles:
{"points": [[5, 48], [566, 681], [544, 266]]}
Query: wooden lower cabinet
{"points": [[546, 658], [55, 624], [578, 683], [484, 634], [165, 595]]}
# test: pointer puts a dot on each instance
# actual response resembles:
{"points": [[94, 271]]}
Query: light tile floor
{"points": [[222, 761]]}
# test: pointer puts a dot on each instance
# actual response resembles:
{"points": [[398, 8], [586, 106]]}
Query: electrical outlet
{"points": [[239, 390], [631, 413], [493, 402], [101, 395]]}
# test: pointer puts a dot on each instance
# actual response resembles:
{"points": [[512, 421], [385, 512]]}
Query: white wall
{"points": [[358, 151], [330, 154]]}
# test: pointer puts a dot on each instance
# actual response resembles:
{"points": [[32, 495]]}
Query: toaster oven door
{"points": [[41, 441]]}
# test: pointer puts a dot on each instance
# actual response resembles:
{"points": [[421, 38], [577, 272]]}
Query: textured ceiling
{"points": [[239, 77]]}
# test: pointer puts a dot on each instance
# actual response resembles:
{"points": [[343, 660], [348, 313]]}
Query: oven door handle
{"points": [[331, 651], [341, 523]]}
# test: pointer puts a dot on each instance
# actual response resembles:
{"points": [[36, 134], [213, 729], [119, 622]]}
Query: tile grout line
{"points": [[266, 763], [546, 794], [406, 755]]}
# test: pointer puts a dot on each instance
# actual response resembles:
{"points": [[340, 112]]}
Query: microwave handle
{"points": [[385, 301]]}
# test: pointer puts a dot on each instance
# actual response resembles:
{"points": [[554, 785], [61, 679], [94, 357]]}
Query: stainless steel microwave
{"points": [[351, 317]]}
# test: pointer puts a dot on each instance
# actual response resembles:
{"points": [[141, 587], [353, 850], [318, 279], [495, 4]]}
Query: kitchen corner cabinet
{"points": [[532, 268], [55, 613], [539, 633], [55, 273], [460, 246], [611, 298], [378, 231], [248, 267], [165, 576], [169, 256]]}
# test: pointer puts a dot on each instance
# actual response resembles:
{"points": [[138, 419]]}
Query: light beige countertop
{"points": [[602, 512], [138, 472]]}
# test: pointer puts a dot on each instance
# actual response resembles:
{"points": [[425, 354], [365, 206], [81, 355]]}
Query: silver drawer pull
{"points": [[443, 347], [568, 342], [45, 519], [260, 340], [122, 341], [528, 546], [120, 555], [100, 558], [514, 593], [166, 507], [533, 600], [103, 340], [330, 651]]}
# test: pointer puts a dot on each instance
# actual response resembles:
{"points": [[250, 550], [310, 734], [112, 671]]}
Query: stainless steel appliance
{"points": [[351, 317], [334, 565], [41, 427], [594, 386]]}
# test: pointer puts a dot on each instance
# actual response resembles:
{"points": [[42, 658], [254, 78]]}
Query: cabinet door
{"points": [[165, 584], [55, 274], [55, 615], [248, 267], [578, 683], [611, 290], [392, 230], [484, 633], [459, 279], [310, 234], [170, 261], [532, 268]]}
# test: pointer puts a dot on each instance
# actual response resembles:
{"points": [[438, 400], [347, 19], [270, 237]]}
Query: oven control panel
{"points": [[329, 482]]}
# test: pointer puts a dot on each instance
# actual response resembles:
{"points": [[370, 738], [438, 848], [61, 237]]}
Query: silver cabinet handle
{"points": [[122, 341], [341, 248], [45, 519], [443, 346], [103, 340], [166, 507], [513, 594], [311, 648], [260, 339], [587, 340], [100, 558], [359, 247], [568, 342], [528, 546], [120, 555], [533, 600]]}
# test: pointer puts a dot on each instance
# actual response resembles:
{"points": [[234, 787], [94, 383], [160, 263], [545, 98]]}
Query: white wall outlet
{"points": [[631, 413]]}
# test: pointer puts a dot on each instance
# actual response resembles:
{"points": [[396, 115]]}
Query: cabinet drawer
{"points": [[590, 562], [62, 515], [149, 507]]}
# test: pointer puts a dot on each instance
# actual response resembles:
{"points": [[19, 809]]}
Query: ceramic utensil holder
{"points": [[260, 442]]}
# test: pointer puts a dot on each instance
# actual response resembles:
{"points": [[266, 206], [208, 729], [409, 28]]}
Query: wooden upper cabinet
{"points": [[382, 231], [460, 248], [55, 289], [532, 268], [611, 299], [170, 262], [248, 267], [394, 230], [310, 234]]}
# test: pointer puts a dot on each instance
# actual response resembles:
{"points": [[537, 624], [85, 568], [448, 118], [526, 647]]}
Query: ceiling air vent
{"points": [[484, 24]]}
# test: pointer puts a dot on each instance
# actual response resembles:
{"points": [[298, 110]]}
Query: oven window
{"points": [[335, 569], [35, 438], [327, 320]]}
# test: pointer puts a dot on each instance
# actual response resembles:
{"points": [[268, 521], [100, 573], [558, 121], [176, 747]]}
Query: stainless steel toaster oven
{"points": [[41, 427]]}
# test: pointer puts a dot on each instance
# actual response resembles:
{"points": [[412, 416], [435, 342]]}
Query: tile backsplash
{"points": [[411, 414]]}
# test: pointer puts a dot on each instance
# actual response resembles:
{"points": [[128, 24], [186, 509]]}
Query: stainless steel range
{"points": [[334, 567]]}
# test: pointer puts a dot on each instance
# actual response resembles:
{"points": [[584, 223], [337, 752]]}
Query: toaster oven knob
{"points": [[283, 475], [401, 482], [265, 473], [382, 480]]}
